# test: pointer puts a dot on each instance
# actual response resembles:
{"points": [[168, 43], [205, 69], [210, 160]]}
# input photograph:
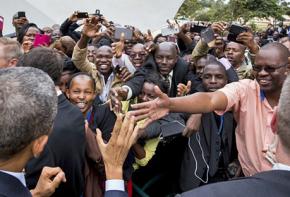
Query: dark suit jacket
{"points": [[274, 183], [65, 149], [211, 146], [114, 193], [180, 72], [12, 187]]}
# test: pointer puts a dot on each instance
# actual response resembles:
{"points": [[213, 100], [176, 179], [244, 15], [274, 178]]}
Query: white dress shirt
{"points": [[115, 184]]}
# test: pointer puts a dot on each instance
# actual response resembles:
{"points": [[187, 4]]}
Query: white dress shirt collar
{"points": [[280, 166], [18, 175]]}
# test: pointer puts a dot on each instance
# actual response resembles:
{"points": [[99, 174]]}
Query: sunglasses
{"points": [[268, 69]]}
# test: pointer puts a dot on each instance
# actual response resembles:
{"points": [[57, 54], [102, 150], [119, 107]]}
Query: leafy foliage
{"points": [[233, 10]]}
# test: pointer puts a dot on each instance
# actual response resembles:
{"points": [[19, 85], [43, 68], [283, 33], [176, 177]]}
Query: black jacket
{"points": [[208, 139], [10, 186], [65, 149]]}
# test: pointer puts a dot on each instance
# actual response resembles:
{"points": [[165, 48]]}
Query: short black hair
{"points": [[156, 80], [69, 65], [81, 74], [24, 29], [46, 59]]}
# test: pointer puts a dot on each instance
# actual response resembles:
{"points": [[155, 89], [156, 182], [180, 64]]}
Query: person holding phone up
{"points": [[103, 71]]}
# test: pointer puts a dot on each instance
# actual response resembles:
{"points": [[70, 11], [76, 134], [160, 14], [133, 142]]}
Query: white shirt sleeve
{"points": [[130, 93], [115, 184]]}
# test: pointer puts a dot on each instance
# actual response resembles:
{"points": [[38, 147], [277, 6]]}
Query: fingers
{"points": [[158, 92], [125, 129], [118, 125], [188, 86], [125, 74], [140, 106], [135, 134], [100, 140], [185, 131], [60, 177], [122, 38]]}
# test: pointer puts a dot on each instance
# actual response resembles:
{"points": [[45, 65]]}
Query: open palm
{"points": [[91, 27]]}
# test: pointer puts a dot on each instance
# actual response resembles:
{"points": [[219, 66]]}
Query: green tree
{"points": [[233, 10]]}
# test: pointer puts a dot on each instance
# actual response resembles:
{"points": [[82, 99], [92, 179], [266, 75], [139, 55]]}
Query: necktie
{"points": [[167, 83]]}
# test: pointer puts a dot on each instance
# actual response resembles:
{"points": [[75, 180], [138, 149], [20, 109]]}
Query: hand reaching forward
{"points": [[91, 27], [152, 110], [114, 153], [48, 181]]}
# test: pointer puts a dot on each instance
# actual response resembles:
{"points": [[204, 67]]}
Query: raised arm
{"points": [[195, 103]]}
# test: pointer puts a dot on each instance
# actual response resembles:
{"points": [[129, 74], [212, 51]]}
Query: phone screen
{"points": [[83, 15], [127, 32], [234, 31], [21, 14], [41, 40]]}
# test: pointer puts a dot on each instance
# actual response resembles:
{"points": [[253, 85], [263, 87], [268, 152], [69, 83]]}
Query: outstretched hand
{"points": [[152, 110], [91, 27], [114, 153]]}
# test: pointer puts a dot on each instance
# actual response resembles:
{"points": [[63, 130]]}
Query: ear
{"points": [[67, 92], [12, 62], [274, 121], [38, 145]]}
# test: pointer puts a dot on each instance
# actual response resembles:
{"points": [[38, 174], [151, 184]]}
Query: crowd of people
{"points": [[89, 113]]}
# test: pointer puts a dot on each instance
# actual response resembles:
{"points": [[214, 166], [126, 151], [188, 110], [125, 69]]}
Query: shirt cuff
{"points": [[130, 93], [115, 184]]}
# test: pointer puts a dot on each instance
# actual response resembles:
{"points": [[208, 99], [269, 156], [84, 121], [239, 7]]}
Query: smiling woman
{"points": [[81, 92]]}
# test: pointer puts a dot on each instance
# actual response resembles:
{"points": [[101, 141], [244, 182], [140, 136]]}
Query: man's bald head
{"points": [[104, 48], [167, 46], [279, 49], [166, 57]]}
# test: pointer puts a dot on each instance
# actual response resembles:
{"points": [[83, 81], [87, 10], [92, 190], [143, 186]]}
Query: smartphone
{"points": [[197, 28], [1, 23], [172, 129], [207, 35], [127, 32], [169, 31], [82, 15], [234, 31], [118, 69], [41, 40], [21, 14]]}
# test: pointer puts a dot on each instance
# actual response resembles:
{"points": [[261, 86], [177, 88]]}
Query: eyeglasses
{"points": [[268, 69], [134, 55]]}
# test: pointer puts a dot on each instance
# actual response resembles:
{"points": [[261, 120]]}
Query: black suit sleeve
{"points": [[115, 193], [232, 75]]}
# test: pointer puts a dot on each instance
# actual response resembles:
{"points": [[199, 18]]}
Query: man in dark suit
{"points": [[28, 107], [66, 145], [166, 62], [212, 148]]}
